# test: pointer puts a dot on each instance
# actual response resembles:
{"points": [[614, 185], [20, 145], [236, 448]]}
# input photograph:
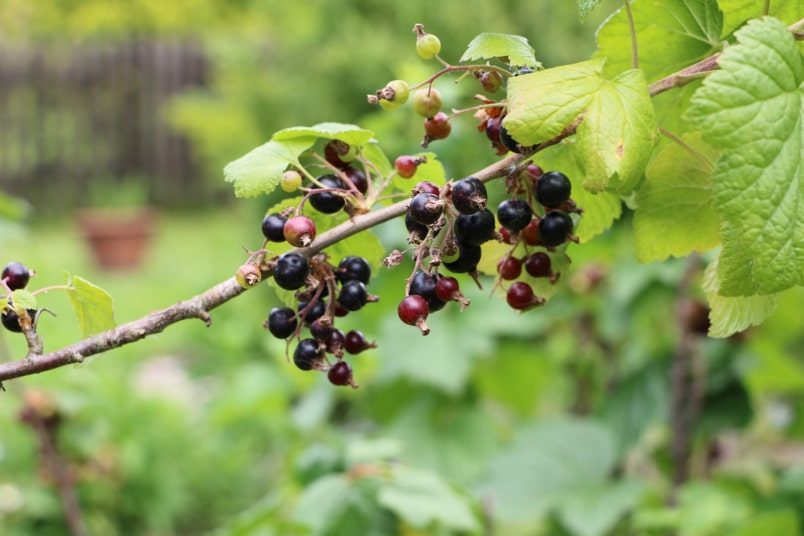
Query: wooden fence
{"points": [[87, 118]]}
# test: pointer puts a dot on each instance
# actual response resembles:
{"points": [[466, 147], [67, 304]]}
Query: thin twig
{"points": [[632, 30]]}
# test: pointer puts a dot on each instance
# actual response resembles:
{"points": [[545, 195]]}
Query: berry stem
{"points": [[455, 68]]}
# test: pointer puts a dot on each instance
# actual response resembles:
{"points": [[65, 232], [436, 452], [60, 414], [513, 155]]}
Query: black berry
{"points": [[341, 374], [355, 342], [469, 195], [466, 260], [307, 354], [282, 322], [508, 142], [16, 275], [291, 271], [539, 265], [273, 226], [475, 229], [313, 312], [426, 208], [353, 268], [423, 284], [514, 214], [357, 177], [417, 230], [554, 228], [328, 202], [353, 295], [553, 189]]}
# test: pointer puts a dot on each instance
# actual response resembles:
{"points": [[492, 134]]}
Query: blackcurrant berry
{"points": [[357, 177], [491, 81], [311, 313], [539, 265], [308, 354], [353, 268], [510, 143], [291, 180], [554, 228], [413, 310], [341, 374], [509, 268], [328, 202], [530, 234], [321, 329], [339, 153], [16, 275], [426, 208], [282, 322], [448, 289], [353, 295], [273, 226], [248, 275], [514, 214], [427, 102], [426, 187], [469, 195], [423, 284], [492, 129], [291, 271], [355, 342], [427, 45], [475, 229], [11, 320], [417, 230], [437, 127], [336, 341], [299, 231], [523, 70], [553, 189], [465, 261], [520, 296], [406, 166]]}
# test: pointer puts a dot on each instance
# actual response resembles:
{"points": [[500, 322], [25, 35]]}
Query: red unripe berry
{"points": [[539, 265], [509, 268], [447, 289], [355, 342], [437, 127], [406, 166], [425, 187], [520, 296], [530, 234], [299, 231], [413, 311]]}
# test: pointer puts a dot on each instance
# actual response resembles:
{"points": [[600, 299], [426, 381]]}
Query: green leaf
{"points": [[672, 34], [13, 208], [546, 461], [350, 134], [675, 203], [260, 170], [595, 510], [737, 12], [422, 499], [730, 315], [586, 6], [324, 502], [92, 306], [784, 521], [599, 209], [616, 137], [752, 109], [497, 45], [542, 104], [23, 299]]}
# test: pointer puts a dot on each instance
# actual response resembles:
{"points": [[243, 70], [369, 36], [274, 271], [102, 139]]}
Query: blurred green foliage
{"points": [[553, 422]]}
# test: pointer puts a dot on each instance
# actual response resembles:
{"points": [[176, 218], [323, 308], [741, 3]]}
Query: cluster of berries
{"points": [[537, 215], [15, 276]]}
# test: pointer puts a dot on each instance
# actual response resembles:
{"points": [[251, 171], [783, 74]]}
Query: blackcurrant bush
{"points": [[413, 310], [339, 153], [554, 228], [426, 208], [475, 229], [509, 268], [553, 189], [328, 202], [357, 177], [355, 342], [353, 268], [423, 284], [427, 102], [520, 296], [514, 214], [539, 265], [273, 226], [465, 261], [353, 295], [299, 231], [311, 313], [340, 373], [291, 271], [308, 354], [282, 322], [16, 275], [469, 195]]}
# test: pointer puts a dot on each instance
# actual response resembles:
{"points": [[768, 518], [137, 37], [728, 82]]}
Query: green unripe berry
{"points": [[427, 102], [248, 275], [393, 95], [291, 180], [428, 46]]}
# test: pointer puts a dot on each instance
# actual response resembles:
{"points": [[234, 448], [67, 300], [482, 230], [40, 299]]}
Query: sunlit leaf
{"points": [[92, 306], [260, 170], [488, 45]]}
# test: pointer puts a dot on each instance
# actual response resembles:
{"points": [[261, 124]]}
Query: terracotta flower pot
{"points": [[117, 238]]}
